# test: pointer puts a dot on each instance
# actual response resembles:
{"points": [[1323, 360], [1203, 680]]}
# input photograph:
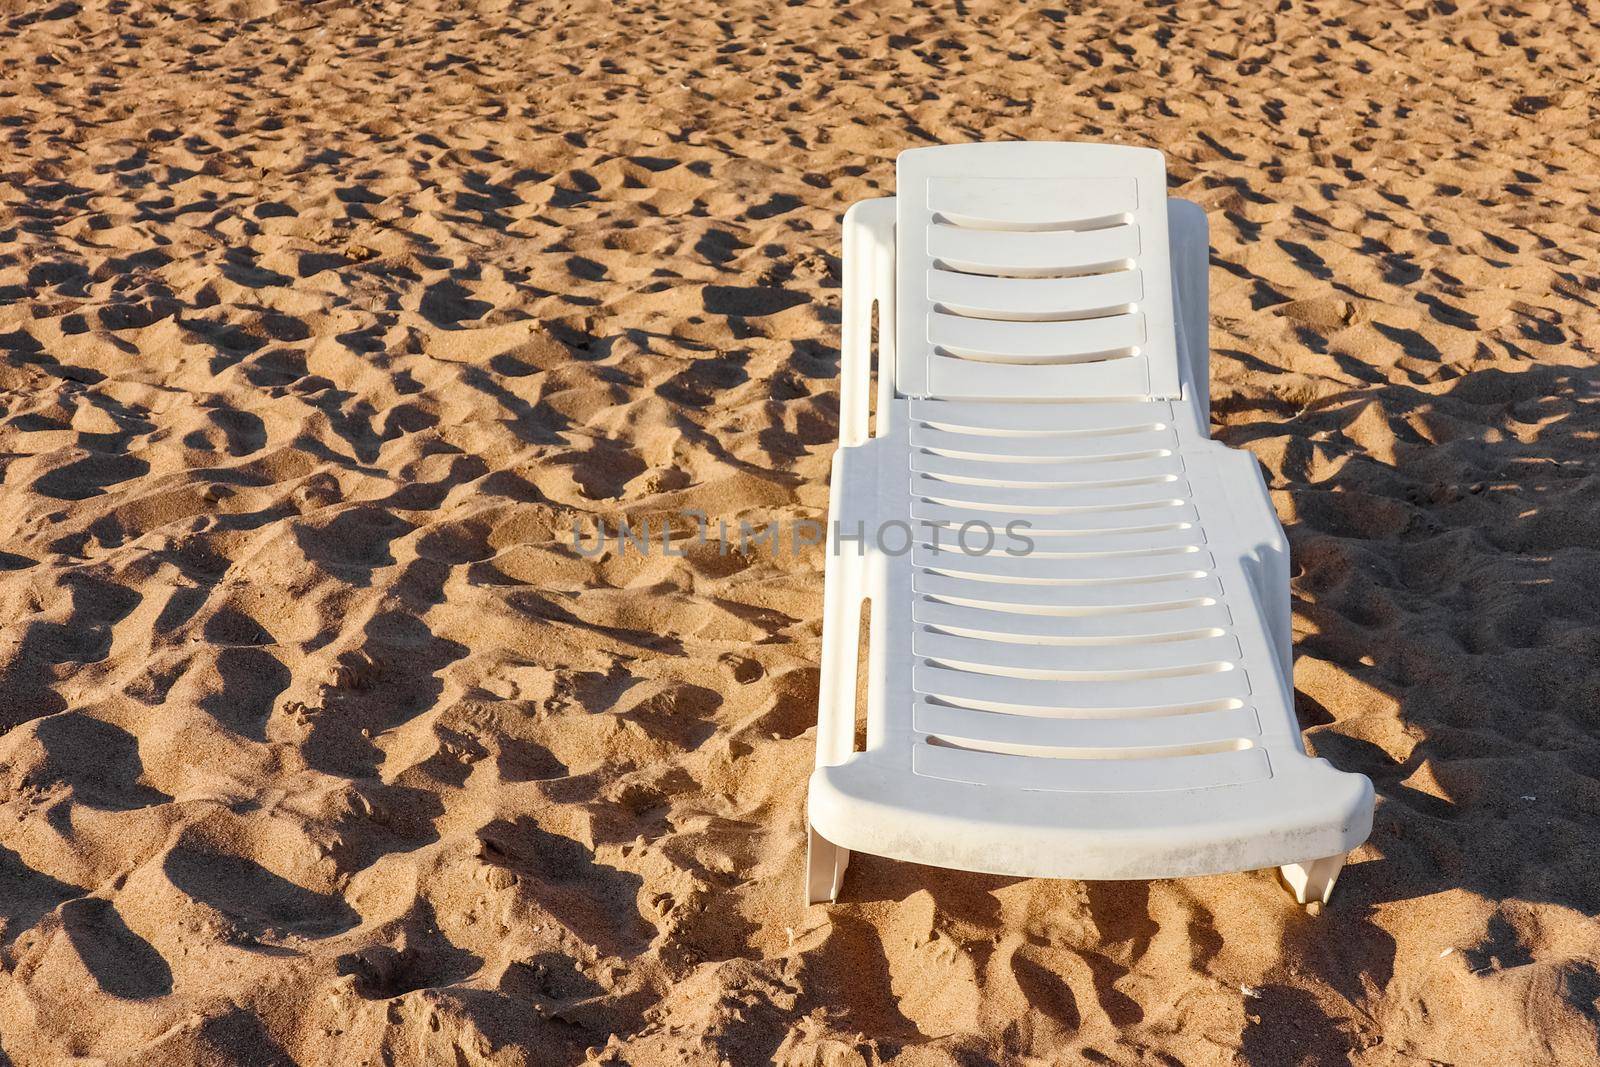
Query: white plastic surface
{"points": [[1031, 269], [1115, 702]]}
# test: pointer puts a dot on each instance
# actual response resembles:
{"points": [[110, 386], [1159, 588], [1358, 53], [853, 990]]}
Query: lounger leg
{"points": [[1313, 882], [825, 864]]}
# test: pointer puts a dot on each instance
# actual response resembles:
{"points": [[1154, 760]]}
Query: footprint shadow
{"points": [[597, 902], [29, 895], [98, 760], [251, 680], [261, 903], [421, 958], [124, 964]]}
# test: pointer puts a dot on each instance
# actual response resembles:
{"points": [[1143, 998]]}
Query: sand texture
{"points": [[321, 323]]}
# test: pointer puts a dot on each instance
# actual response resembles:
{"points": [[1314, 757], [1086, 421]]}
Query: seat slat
{"points": [[1000, 567], [1066, 599], [1063, 449], [1089, 546], [1092, 776], [1149, 626], [1012, 419], [1073, 341], [1044, 475], [1163, 514], [1131, 696], [1033, 731], [1085, 659], [1047, 502], [1122, 376]]}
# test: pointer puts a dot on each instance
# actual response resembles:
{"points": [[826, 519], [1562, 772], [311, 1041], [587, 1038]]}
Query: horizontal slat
{"points": [[1092, 776], [1035, 299], [1136, 518], [1125, 376], [1134, 696], [1039, 660], [1080, 629], [1040, 731], [1044, 447], [1047, 570], [1033, 255], [1043, 475], [975, 539], [1080, 546], [1028, 501], [1076, 341], [1065, 599], [1018, 418], [1032, 203]]}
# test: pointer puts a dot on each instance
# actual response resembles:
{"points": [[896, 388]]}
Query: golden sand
{"points": [[320, 324]]}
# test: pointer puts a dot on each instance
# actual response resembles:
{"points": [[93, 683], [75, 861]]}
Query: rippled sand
{"points": [[320, 324]]}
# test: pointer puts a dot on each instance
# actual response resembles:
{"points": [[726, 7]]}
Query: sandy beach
{"points": [[322, 324]]}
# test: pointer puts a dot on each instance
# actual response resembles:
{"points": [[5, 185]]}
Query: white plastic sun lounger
{"points": [[1117, 702]]}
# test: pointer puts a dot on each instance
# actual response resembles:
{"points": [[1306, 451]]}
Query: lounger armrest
{"points": [[869, 256], [1191, 261], [1267, 555], [868, 281], [852, 493]]}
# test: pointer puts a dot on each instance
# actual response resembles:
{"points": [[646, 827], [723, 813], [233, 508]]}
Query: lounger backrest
{"points": [[1034, 271]]}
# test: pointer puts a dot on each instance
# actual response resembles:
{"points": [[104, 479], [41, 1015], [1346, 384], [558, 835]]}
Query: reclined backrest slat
{"points": [[1031, 254], [1054, 299], [1033, 203], [1034, 271]]}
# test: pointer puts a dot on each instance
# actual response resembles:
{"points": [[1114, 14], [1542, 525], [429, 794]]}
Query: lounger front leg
{"points": [[825, 864], [1313, 882]]}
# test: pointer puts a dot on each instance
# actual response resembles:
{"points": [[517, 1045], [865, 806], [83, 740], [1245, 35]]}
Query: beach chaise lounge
{"points": [[1111, 697]]}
